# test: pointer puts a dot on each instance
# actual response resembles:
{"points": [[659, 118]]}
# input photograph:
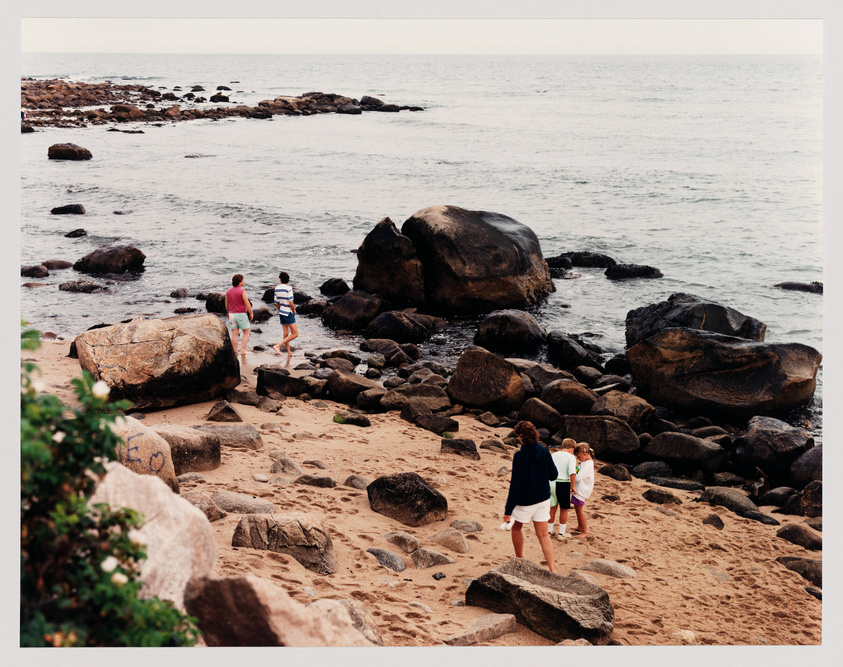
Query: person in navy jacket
{"points": [[529, 491]]}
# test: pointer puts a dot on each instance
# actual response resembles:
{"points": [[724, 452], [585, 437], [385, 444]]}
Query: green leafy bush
{"points": [[79, 563]]}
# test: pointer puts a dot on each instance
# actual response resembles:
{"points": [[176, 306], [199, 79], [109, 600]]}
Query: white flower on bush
{"points": [[58, 436], [118, 579], [137, 537], [109, 564], [100, 389]]}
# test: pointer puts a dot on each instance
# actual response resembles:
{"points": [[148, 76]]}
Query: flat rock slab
{"points": [[241, 503], [731, 499], [551, 605], [204, 502], [485, 629], [192, 450], [404, 541], [234, 435], [424, 558], [610, 568], [297, 535], [285, 464], [466, 526], [356, 482], [460, 447]]}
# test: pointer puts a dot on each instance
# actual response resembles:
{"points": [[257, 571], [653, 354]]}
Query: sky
{"points": [[421, 35]]}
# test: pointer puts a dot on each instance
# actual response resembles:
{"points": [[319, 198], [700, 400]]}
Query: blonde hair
{"points": [[583, 448], [569, 443]]}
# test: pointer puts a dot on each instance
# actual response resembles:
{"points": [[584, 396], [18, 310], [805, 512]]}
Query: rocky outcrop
{"points": [[681, 450], [353, 311], [510, 331], [773, 446], [68, 209], [610, 437], [407, 498], [241, 503], [344, 386], [234, 435], [144, 452], [388, 264], [484, 380], [250, 611], [111, 259], [180, 542], [297, 535], [162, 363], [551, 605], [690, 312], [471, 261], [814, 287], [403, 326], [584, 258], [700, 372]]}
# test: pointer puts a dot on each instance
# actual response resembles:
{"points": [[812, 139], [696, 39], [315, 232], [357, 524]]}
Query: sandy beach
{"points": [[694, 584]]}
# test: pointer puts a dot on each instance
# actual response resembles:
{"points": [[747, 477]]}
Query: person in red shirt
{"points": [[239, 312]]}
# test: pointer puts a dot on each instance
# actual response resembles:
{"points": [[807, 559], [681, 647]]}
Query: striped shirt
{"points": [[283, 296]]}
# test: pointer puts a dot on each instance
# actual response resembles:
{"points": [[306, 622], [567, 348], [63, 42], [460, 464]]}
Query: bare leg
{"points": [[294, 333], [246, 334], [581, 522], [546, 544], [234, 333], [518, 539], [285, 329], [552, 517]]}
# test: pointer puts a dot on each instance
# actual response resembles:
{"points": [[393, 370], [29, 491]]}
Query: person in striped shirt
{"points": [[286, 313]]}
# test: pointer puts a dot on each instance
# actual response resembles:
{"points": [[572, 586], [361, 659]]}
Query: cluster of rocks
{"points": [[561, 264], [57, 103]]}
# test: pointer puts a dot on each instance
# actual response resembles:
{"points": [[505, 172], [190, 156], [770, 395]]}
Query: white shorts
{"points": [[538, 512]]}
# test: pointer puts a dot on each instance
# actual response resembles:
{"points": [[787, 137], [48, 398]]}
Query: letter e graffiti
{"points": [[129, 450]]}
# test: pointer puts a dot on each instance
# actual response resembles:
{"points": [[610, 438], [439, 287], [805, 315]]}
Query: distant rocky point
{"points": [[57, 103]]}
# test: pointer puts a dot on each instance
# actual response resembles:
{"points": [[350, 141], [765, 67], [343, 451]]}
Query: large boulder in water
{"points": [[690, 312], [111, 259], [388, 264], [162, 363], [472, 261], [701, 372], [68, 152]]}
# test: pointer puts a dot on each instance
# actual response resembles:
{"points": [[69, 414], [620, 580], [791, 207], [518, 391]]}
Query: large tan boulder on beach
{"points": [[296, 534], [145, 452], [180, 542], [249, 611], [485, 380], [192, 450], [162, 363], [700, 372]]}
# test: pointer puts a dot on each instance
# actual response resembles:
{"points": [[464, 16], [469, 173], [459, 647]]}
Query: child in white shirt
{"points": [[560, 488], [584, 485]]}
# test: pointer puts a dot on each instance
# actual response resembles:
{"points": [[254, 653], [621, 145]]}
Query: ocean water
{"points": [[706, 167]]}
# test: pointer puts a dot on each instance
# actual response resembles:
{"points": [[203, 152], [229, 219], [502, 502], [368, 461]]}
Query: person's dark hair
{"points": [[237, 279], [284, 277], [526, 431]]}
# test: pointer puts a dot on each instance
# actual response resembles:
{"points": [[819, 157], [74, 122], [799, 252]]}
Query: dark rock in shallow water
{"points": [[585, 259], [814, 287], [113, 259], [72, 209], [76, 233], [402, 327], [690, 312], [627, 271], [83, 286], [334, 287], [215, 303], [700, 372], [354, 310], [36, 271], [68, 152], [510, 331]]}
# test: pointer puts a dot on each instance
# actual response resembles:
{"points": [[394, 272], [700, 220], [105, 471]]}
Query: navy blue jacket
{"points": [[532, 471]]}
